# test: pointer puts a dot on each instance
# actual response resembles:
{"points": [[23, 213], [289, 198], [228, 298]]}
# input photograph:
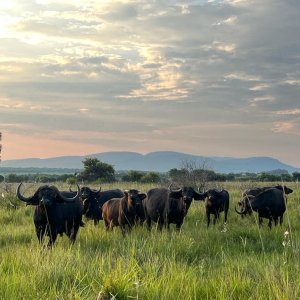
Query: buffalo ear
{"points": [[287, 190], [58, 198], [126, 195], [34, 200], [199, 196], [142, 196]]}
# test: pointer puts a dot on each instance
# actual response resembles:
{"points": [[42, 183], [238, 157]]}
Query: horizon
{"points": [[216, 77], [205, 156]]}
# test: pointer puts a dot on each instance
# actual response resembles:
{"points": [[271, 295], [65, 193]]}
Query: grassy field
{"points": [[239, 261]]}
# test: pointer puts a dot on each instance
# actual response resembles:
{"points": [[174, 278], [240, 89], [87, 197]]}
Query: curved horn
{"points": [[66, 199], [98, 190], [20, 196], [239, 212], [178, 190], [70, 190]]}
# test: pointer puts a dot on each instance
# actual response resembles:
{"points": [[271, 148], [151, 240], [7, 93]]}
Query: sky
{"points": [[212, 78]]}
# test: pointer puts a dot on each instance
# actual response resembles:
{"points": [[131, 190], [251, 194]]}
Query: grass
{"points": [[241, 262]]}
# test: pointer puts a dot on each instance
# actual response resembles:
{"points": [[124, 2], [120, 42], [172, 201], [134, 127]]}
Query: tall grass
{"points": [[241, 262]]}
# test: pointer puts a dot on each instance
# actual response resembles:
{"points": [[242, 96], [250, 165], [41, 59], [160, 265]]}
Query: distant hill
{"points": [[161, 161]]}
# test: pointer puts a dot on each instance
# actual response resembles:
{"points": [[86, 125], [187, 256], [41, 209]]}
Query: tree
{"points": [[97, 170], [296, 176], [197, 174], [132, 176], [192, 173], [177, 175], [71, 180], [152, 177]]}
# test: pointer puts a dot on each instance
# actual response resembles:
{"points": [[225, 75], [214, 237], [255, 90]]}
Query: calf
{"points": [[122, 211]]}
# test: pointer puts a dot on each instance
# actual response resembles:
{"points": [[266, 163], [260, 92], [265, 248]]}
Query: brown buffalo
{"points": [[122, 211]]}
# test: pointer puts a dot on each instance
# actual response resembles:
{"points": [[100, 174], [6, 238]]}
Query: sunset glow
{"points": [[217, 78]]}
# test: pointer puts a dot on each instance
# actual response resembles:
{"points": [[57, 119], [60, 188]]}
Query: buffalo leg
{"points": [[123, 230], [225, 216], [216, 217], [52, 238], [260, 220], [106, 225], [178, 226], [74, 234], [208, 218], [160, 224], [276, 221], [40, 232], [281, 219], [148, 222], [111, 225], [270, 223]]}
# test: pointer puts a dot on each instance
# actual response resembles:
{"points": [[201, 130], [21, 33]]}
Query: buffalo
{"points": [[255, 191], [216, 202], [269, 204], [54, 213], [93, 201], [188, 195], [123, 211], [165, 206]]}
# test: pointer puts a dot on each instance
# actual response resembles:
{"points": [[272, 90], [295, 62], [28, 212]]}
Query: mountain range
{"points": [[161, 161]]}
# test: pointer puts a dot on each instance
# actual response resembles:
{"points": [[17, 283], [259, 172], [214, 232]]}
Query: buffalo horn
{"points": [[178, 190], [98, 191], [70, 189], [239, 212], [66, 199], [20, 196]]}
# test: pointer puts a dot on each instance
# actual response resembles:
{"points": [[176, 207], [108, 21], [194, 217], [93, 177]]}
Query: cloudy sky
{"points": [[206, 77]]}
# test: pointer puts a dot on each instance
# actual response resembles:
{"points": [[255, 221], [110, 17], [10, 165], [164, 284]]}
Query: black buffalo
{"points": [[54, 213], [123, 211], [216, 202], [93, 201], [188, 195], [257, 190], [165, 206], [269, 204]]}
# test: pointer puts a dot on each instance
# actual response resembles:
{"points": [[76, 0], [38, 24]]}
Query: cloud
{"points": [[130, 69], [259, 87], [283, 127], [295, 111], [257, 100]]}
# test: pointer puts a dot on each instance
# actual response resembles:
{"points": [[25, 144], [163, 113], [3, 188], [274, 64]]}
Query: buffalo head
{"points": [[189, 194], [46, 196], [90, 202], [134, 198], [245, 205]]}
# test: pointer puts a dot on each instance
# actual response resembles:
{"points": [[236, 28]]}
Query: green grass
{"points": [[241, 262]]}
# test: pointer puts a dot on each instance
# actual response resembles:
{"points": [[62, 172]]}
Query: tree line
{"points": [[100, 172]]}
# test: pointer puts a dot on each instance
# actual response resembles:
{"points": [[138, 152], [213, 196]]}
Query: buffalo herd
{"points": [[57, 212]]}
